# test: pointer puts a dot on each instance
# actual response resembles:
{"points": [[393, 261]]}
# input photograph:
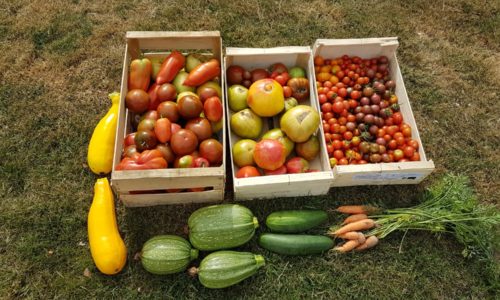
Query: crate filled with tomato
{"points": [[277, 149], [367, 122], [170, 136]]}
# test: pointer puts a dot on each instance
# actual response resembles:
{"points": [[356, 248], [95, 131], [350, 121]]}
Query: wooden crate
{"points": [[288, 185], [148, 187], [381, 173]]}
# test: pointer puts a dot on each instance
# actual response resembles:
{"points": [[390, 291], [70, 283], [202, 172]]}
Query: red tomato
{"points": [[342, 92], [211, 149], [326, 127], [355, 94], [397, 117], [279, 171], [321, 97], [398, 154], [392, 144], [139, 74], [337, 144], [406, 130], [415, 157], [338, 154], [203, 73], [170, 67], [408, 151], [287, 91], [348, 135], [326, 107], [129, 139], [338, 107], [247, 171], [213, 109], [400, 141], [343, 161], [413, 143], [328, 116], [162, 130]]}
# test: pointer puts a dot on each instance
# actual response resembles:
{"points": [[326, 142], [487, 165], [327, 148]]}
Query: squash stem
{"points": [[255, 222], [259, 259]]}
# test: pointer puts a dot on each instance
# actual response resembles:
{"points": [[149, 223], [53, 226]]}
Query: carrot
{"points": [[356, 226], [357, 209], [361, 238], [352, 235], [354, 218], [370, 242], [347, 246]]}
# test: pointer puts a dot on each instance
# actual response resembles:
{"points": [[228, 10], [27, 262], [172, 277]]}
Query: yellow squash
{"points": [[102, 143], [106, 245]]}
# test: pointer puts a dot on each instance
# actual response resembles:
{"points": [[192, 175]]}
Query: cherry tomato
{"points": [[338, 154], [413, 143], [348, 135], [337, 145], [342, 92], [398, 154], [392, 144], [406, 130], [326, 107], [343, 161], [321, 97], [408, 151], [287, 91], [415, 157], [338, 107], [326, 127], [355, 141], [397, 118]]}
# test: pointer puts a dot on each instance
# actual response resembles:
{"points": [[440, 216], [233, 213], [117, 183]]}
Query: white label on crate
{"points": [[388, 176]]}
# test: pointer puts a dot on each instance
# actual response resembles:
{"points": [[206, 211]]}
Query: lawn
{"points": [[60, 59]]}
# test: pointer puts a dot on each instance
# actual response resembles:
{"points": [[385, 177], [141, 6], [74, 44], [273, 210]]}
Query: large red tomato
{"points": [[211, 149], [247, 171], [269, 154], [183, 142]]}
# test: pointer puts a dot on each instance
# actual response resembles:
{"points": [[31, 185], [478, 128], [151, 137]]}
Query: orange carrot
{"points": [[357, 209], [347, 246], [370, 242], [354, 218], [356, 226], [361, 238], [352, 235]]}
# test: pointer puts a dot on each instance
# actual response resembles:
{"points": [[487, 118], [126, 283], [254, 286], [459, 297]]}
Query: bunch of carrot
{"points": [[352, 227]]}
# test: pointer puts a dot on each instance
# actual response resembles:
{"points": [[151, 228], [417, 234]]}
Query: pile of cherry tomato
{"points": [[361, 118]]}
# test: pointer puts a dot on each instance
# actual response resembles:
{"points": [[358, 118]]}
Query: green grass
{"points": [[59, 62]]}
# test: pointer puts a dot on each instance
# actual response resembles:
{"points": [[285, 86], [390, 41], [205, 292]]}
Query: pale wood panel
{"points": [[171, 198]]}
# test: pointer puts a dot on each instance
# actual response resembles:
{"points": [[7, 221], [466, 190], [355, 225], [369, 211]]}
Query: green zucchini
{"points": [[295, 244], [295, 221], [221, 227], [222, 269], [167, 254]]}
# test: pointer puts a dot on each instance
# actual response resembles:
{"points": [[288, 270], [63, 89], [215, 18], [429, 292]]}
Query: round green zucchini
{"points": [[167, 254], [295, 221], [223, 226], [222, 269], [295, 244]]}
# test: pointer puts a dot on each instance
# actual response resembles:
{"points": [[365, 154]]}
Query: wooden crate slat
{"points": [[139, 200]]}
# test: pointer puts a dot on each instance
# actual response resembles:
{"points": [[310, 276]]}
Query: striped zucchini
{"points": [[167, 254], [221, 227], [222, 269]]}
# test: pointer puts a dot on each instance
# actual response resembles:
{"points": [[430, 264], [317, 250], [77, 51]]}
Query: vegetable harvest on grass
{"points": [[449, 206]]}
